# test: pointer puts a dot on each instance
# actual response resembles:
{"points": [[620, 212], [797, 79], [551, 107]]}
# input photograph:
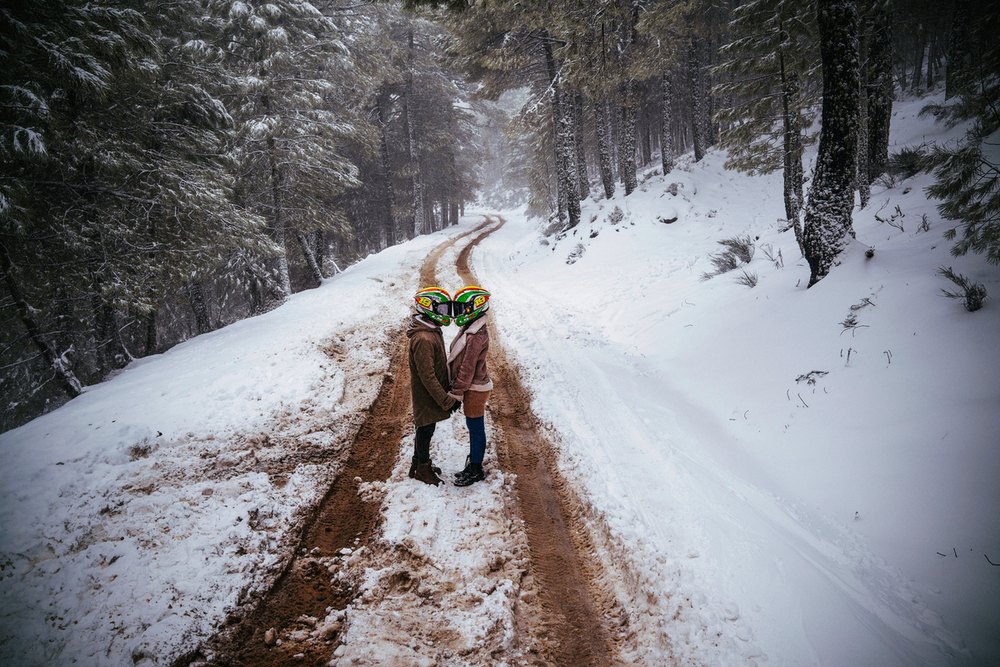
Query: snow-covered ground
{"points": [[778, 475]]}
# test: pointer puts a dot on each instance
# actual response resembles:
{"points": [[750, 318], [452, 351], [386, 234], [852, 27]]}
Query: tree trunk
{"points": [[698, 101], [879, 90], [149, 322], [307, 251], [792, 140], [278, 219], [918, 66], [626, 155], [666, 126], [581, 155], [67, 379], [563, 137], [862, 182], [196, 297], [603, 147], [958, 48], [418, 194], [828, 226], [385, 170]]}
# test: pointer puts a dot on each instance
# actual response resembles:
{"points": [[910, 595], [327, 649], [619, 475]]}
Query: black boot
{"points": [[474, 473], [465, 471], [414, 464]]}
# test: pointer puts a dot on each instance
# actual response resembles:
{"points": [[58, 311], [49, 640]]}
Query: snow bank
{"points": [[790, 475]]}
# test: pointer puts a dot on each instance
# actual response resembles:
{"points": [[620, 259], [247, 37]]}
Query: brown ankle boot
{"points": [[413, 467], [426, 474]]}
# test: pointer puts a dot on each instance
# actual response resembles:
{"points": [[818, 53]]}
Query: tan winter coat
{"points": [[467, 359], [428, 372]]}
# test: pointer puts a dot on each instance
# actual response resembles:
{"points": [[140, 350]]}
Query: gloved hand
{"points": [[455, 407]]}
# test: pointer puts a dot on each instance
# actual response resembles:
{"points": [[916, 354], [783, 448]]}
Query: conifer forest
{"points": [[172, 167]]}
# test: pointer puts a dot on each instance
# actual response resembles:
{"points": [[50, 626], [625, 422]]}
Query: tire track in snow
{"points": [[566, 620], [304, 591]]}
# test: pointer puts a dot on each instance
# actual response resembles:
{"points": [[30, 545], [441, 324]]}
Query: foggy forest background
{"points": [[172, 167]]}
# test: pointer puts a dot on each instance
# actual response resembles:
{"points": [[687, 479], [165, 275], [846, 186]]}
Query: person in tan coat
{"points": [[470, 377], [428, 377]]}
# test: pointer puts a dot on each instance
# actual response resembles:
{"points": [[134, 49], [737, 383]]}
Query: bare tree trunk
{"points": [[862, 183], [626, 156], [698, 101], [603, 147], [385, 170], [666, 135], [418, 194], [563, 137], [149, 322], [581, 155], [879, 90], [307, 251], [828, 226], [196, 297], [278, 218]]}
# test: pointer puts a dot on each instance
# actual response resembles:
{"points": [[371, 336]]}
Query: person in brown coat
{"points": [[428, 377], [470, 377]]}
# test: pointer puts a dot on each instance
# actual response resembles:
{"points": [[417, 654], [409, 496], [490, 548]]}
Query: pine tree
{"points": [[828, 227], [967, 173], [767, 71], [288, 61], [879, 86]]}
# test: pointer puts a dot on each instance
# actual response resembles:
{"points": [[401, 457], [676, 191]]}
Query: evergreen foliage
{"points": [[157, 157], [967, 173], [770, 71]]}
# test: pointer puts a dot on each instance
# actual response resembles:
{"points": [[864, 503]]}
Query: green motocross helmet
{"points": [[435, 304], [469, 303]]}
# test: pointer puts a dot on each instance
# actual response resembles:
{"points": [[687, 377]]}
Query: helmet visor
{"points": [[441, 308], [458, 308]]}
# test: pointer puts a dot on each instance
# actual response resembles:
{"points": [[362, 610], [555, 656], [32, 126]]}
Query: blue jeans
{"points": [[477, 438]]}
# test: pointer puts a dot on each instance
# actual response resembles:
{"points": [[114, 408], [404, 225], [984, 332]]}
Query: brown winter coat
{"points": [[467, 364], [428, 372]]}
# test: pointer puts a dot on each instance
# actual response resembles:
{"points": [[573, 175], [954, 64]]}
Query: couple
{"points": [[440, 384]]}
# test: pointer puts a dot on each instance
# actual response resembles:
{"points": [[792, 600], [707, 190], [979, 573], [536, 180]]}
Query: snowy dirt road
{"points": [[392, 572]]}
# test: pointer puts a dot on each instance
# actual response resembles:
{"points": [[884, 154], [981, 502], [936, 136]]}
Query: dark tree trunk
{"points": [[311, 262], [666, 129], [828, 226], [581, 154], [196, 297], [958, 48], [792, 139], [604, 148], [626, 155], [862, 182], [879, 90], [67, 379], [698, 101], [149, 323]]}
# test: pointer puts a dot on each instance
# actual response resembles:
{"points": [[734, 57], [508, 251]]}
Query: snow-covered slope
{"points": [[818, 466]]}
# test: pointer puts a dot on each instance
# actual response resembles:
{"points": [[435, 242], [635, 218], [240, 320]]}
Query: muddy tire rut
{"points": [[558, 624]]}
